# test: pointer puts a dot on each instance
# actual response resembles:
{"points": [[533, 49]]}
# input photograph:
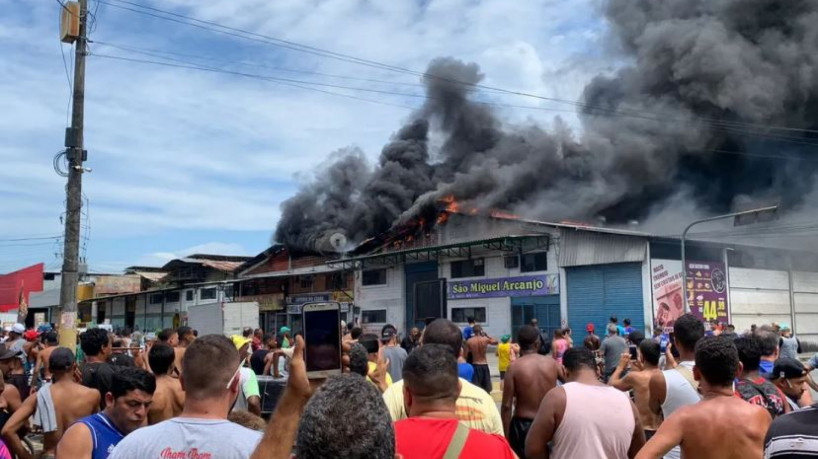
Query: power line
{"points": [[179, 63], [283, 81], [23, 239], [163, 54], [247, 35]]}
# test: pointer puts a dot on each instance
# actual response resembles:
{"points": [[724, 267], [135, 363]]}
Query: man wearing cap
{"points": [[391, 351], [249, 396], [591, 341], [790, 376], [284, 331], [55, 407], [13, 372]]}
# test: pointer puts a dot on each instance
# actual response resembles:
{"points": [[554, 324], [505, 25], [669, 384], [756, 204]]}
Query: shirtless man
{"points": [[10, 401], [638, 380], [51, 343], [476, 346], [674, 388], [721, 426], [169, 398], [184, 338], [527, 381], [55, 407]]}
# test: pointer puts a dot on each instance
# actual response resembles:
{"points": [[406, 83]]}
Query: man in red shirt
{"points": [[432, 431]]}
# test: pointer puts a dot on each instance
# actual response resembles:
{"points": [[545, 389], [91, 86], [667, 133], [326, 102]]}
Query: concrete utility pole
{"points": [[73, 203]]}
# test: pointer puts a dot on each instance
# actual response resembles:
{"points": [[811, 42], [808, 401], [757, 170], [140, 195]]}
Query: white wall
{"points": [[389, 296], [805, 296], [759, 296]]}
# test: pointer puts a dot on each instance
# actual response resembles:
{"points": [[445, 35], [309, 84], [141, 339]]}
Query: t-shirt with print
{"points": [[189, 438], [475, 407], [438, 433], [763, 393]]}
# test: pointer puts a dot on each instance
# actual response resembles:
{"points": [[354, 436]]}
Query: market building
{"points": [[503, 271]]}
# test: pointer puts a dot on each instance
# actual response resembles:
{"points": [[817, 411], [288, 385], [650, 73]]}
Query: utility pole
{"points": [[75, 154]]}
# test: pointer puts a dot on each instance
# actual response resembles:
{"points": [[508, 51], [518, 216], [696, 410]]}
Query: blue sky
{"points": [[187, 161]]}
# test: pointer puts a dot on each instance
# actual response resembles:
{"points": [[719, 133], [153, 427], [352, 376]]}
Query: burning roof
{"points": [[667, 136]]}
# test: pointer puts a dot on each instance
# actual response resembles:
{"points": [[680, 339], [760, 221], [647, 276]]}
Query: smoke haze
{"points": [[687, 126]]}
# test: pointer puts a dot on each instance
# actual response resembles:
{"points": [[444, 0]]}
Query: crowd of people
{"points": [[689, 393]]}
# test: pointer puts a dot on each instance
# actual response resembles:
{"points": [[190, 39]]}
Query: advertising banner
{"points": [[706, 291], [547, 284]]}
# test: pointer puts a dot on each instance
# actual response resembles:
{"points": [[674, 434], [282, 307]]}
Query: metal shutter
{"points": [[597, 292]]}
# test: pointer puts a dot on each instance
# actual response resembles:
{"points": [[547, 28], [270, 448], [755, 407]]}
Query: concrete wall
{"points": [[759, 296], [805, 300]]}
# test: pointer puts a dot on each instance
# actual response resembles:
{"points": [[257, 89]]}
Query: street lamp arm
{"points": [[705, 220]]}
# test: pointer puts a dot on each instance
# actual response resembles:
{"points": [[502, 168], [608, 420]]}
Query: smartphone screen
{"points": [[322, 337]]}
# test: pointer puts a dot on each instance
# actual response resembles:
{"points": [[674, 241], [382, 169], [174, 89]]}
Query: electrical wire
{"points": [[247, 35], [179, 63]]}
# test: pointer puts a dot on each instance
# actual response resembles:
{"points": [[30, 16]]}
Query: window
{"points": [[374, 277], [189, 295], [305, 281], [377, 316], [207, 293], [173, 297], [156, 298], [228, 291], [534, 262], [511, 262], [468, 268], [461, 315]]}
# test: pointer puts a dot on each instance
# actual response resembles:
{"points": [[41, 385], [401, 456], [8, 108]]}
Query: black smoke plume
{"points": [[717, 106]]}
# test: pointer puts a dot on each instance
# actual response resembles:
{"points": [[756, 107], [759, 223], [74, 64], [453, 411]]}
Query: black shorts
{"points": [[482, 377], [502, 375], [649, 434], [518, 430]]}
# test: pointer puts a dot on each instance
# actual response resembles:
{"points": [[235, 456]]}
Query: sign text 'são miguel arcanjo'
{"points": [[506, 286]]}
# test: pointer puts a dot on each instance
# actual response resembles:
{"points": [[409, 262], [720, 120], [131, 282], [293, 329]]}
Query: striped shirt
{"points": [[793, 436]]}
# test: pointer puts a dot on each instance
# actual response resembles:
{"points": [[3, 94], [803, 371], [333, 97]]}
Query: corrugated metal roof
{"points": [[151, 276], [579, 247]]}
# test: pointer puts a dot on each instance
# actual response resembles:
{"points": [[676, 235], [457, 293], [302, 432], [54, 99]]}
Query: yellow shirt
{"points": [[504, 355], [475, 407], [372, 367]]}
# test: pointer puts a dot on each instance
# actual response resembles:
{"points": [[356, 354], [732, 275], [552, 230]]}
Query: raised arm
{"points": [[617, 381]]}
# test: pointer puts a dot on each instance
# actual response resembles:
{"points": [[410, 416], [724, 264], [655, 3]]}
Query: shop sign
{"points": [[308, 298], [547, 284]]}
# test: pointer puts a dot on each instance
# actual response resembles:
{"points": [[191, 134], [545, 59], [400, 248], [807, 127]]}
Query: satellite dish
{"points": [[338, 241]]}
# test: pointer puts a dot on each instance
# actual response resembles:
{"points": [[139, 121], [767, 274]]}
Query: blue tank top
{"points": [[103, 433]]}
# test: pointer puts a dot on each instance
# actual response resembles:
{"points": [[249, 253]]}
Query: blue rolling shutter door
{"points": [[597, 292]]}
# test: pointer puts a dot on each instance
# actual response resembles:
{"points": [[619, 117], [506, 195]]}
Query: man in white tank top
{"points": [[674, 388], [570, 416]]}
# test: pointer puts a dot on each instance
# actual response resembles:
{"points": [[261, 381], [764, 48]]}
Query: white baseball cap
{"points": [[18, 328]]}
